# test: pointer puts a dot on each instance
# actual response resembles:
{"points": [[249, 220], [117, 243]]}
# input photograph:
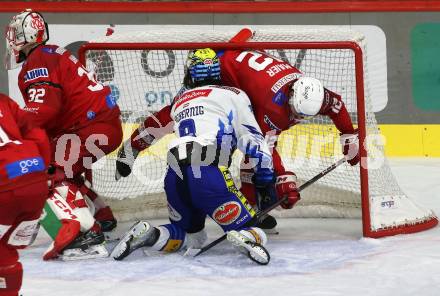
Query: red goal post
{"points": [[377, 214]]}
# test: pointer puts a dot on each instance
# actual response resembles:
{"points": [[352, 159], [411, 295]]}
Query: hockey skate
{"points": [[89, 245], [106, 219], [141, 234], [268, 223], [254, 251]]}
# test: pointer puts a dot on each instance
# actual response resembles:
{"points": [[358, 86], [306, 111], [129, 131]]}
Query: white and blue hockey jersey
{"points": [[222, 116]]}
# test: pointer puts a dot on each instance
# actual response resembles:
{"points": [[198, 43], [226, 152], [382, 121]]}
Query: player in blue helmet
{"points": [[202, 68], [210, 122]]}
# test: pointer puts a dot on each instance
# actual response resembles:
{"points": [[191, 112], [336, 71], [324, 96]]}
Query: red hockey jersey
{"points": [[60, 93], [24, 151], [267, 81]]}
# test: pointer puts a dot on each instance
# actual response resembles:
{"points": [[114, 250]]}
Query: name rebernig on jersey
{"points": [[190, 112]]}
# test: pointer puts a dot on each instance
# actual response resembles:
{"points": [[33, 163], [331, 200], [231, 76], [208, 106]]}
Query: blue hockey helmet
{"points": [[202, 67]]}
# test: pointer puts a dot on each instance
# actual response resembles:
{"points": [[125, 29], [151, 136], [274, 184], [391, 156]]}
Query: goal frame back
{"points": [[360, 93]]}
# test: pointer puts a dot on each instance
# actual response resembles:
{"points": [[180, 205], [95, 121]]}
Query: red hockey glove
{"points": [[286, 186], [350, 147]]}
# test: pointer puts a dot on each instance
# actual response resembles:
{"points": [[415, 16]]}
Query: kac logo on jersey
{"points": [[36, 73], [24, 166]]}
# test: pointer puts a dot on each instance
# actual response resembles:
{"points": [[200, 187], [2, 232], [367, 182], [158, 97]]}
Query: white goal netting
{"points": [[144, 74]]}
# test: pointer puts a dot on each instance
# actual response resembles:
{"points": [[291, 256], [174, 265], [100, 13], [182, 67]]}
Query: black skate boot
{"points": [[268, 224], [88, 245]]}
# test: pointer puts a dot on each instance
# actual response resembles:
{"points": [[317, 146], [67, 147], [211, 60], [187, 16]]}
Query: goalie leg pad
{"points": [[67, 203], [85, 187], [101, 212], [68, 232]]}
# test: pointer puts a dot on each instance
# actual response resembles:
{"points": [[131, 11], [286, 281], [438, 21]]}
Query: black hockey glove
{"points": [[126, 157]]}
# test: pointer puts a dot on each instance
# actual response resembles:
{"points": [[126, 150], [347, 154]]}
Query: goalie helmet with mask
{"points": [[25, 31], [306, 98], [202, 68]]}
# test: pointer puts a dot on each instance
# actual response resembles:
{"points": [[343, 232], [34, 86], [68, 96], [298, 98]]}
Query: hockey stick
{"points": [[196, 252]]}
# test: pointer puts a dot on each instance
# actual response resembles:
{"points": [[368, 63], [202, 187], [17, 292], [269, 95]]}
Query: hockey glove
{"points": [[286, 186], [350, 147], [125, 160], [263, 178]]}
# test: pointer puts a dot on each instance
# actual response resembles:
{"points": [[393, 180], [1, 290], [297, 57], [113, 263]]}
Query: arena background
{"points": [[411, 118]]}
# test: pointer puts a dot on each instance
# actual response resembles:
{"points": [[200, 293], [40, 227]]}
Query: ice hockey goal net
{"points": [[145, 70]]}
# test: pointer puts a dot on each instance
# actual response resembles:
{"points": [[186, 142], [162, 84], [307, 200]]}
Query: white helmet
{"points": [[26, 30], [307, 97]]}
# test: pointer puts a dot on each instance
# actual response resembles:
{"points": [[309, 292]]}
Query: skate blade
{"points": [[271, 231], [122, 249], [192, 252], [258, 253], [93, 252], [254, 251]]}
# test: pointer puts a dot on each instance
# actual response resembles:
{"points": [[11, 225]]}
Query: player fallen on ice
{"points": [[83, 123], [210, 122], [24, 156], [281, 97]]}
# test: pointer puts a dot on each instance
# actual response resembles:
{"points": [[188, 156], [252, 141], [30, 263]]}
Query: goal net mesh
{"points": [[143, 80]]}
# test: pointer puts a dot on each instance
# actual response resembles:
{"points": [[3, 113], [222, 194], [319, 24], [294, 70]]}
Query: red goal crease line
{"points": [[225, 7]]}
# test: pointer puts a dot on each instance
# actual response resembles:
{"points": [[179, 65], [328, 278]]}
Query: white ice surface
{"points": [[324, 257]]}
